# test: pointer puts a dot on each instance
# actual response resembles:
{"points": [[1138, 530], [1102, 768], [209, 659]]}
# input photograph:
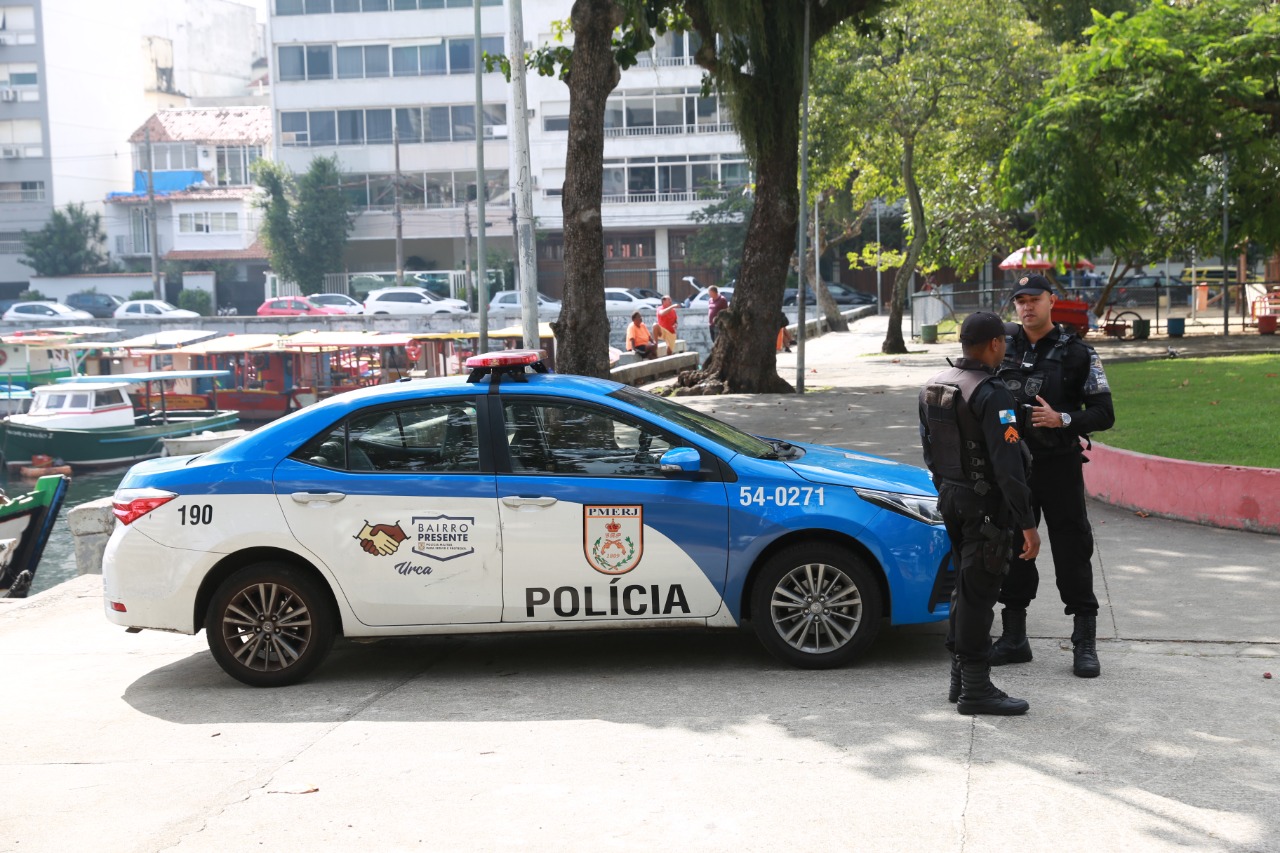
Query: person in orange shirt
{"points": [[639, 339], [665, 328]]}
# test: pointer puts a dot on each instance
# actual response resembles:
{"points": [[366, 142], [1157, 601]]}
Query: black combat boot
{"points": [[1085, 640], [979, 696], [1012, 647], [953, 695]]}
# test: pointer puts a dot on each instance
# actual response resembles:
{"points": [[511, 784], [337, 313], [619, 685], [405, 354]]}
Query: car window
{"points": [[697, 422], [567, 439], [436, 438]]}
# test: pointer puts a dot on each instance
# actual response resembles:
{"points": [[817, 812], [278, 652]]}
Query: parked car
{"points": [[100, 305], [436, 283], [843, 295], [549, 503], [45, 311], [152, 309], [700, 299], [341, 301], [410, 300], [296, 306], [619, 300], [509, 300], [647, 293]]}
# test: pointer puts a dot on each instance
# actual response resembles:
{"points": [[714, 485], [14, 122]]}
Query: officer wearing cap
{"points": [[973, 448], [1058, 380]]}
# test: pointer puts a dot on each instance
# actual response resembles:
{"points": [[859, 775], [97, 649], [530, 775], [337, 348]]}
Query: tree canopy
{"points": [[70, 243], [306, 220]]}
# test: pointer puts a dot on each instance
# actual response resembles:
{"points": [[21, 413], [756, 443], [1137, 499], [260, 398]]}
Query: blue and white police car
{"points": [[518, 500]]}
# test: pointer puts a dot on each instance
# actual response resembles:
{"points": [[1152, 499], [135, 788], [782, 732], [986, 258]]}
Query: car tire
{"points": [[816, 606], [269, 625]]}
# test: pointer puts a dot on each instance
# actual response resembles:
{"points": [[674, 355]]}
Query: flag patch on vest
{"points": [[1007, 416]]}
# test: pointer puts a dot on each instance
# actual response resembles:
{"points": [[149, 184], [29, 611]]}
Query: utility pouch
{"points": [[996, 548]]}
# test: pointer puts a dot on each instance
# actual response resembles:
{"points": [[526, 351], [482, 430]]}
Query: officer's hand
{"points": [[1043, 415], [1030, 543]]}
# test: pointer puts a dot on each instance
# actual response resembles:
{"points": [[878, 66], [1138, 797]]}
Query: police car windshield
{"points": [[702, 424]]}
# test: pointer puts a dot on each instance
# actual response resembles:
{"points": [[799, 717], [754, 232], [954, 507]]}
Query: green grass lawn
{"points": [[1220, 410]]}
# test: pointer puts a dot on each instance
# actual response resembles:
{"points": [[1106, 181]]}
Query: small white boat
{"points": [[201, 442]]}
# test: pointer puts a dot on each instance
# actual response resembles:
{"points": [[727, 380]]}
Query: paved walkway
{"points": [[690, 741]]}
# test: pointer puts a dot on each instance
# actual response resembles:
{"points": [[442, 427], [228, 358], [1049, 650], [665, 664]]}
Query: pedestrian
{"points": [[784, 335], [1058, 381], [973, 449], [715, 304], [665, 327], [638, 338]]}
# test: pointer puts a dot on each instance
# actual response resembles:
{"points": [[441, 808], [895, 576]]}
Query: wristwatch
{"points": [[1066, 419]]}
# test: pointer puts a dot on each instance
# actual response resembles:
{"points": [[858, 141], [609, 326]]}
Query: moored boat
{"points": [[25, 524], [94, 421], [200, 442]]}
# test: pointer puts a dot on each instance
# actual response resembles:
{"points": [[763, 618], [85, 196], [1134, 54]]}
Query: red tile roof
{"points": [[193, 194], [238, 125], [256, 252]]}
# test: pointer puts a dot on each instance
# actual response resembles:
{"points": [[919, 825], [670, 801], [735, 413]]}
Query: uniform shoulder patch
{"points": [[1096, 382], [1011, 435], [1007, 416]]}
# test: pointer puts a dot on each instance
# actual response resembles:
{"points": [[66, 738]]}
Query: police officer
{"points": [[973, 448], [1059, 381]]}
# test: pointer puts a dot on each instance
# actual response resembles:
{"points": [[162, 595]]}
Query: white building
{"points": [[78, 76], [204, 194], [351, 75]]}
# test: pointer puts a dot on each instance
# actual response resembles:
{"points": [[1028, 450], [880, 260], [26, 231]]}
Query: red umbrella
{"points": [[1034, 258]]}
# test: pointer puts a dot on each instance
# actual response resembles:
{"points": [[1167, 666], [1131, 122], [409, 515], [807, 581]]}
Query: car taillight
{"points": [[131, 504]]}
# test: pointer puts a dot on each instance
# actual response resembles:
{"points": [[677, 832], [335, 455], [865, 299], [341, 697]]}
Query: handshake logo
{"points": [[380, 540]]}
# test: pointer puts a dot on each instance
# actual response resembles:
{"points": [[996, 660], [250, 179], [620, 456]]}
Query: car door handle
{"points": [[317, 497], [519, 501]]}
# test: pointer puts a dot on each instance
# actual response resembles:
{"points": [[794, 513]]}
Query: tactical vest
{"points": [[1027, 376], [955, 438]]}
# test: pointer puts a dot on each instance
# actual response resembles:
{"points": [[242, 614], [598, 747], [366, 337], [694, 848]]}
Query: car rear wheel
{"points": [[269, 625], [816, 606]]}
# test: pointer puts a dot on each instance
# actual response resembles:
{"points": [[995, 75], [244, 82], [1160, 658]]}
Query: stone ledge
{"points": [[651, 369]]}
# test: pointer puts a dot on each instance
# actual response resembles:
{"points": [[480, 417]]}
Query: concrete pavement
{"points": [[687, 740]]}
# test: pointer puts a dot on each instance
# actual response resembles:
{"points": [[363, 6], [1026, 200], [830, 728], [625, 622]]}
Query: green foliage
{"points": [[306, 220], [1225, 409], [718, 243], [1068, 20], [32, 296], [70, 243], [198, 301], [1125, 147], [142, 294]]}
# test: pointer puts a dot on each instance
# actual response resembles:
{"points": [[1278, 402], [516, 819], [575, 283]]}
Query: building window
{"points": [[208, 222], [234, 163], [18, 24], [19, 74], [17, 192], [425, 189], [375, 126]]}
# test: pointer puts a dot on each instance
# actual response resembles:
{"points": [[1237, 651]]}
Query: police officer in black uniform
{"points": [[973, 448], [1058, 381]]}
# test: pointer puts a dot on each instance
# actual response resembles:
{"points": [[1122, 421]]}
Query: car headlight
{"points": [[919, 507]]}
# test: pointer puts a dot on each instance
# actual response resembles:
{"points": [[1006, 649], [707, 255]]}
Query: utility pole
{"points": [[152, 231], [466, 244], [522, 214], [482, 278], [804, 206], [399, 215]]}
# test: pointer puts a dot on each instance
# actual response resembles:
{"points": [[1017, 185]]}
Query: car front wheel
{"points": [[269, 625], [816, 606]]}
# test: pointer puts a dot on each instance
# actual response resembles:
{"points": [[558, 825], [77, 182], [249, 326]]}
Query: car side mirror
{"points": [[680, 460]]}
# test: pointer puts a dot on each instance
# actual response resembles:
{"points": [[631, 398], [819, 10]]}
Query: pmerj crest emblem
{"points": [[613, 537], [1033, 385]]}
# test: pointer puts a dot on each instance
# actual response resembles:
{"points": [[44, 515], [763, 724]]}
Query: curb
{"points": [[1231, 496]]}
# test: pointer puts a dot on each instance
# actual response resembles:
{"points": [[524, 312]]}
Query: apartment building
{"points": [[373, 80], [199, 162]]}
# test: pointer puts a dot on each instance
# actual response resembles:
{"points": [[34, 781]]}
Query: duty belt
{"points": [[982, 487]]}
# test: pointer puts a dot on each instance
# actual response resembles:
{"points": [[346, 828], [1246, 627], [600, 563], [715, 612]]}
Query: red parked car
{"points": [[294, 306]]}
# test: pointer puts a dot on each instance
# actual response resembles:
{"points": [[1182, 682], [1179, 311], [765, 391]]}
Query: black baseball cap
{"points": [[981, 327], [1033, 284]]}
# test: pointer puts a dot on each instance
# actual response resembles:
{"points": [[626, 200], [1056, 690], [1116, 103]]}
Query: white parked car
{"points": [[45, 311], [509, 300], [701, 301], [337, 300], [152, 309], [619, 300], [410, 300]]}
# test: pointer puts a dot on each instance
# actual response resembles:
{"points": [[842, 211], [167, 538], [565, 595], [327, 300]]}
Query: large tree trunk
{"points": [[582, 332], [893, 341], [744, 356]]}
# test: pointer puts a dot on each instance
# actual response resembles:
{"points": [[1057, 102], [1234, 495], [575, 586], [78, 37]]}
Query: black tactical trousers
{"points": [[1057, 492], [980, 553]]}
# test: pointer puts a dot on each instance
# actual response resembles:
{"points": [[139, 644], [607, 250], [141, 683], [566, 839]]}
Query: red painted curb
{"points": [[1232, 496]]}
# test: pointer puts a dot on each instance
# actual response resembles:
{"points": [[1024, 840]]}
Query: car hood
{"points": [[839, 467]]}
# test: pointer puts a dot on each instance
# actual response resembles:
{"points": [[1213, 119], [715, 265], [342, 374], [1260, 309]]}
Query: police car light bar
{"points": [[509, 363]]}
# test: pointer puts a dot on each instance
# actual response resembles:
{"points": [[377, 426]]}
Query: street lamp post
{"points": [[1226, 300]]}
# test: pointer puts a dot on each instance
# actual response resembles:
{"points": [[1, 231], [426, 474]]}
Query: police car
{"points": [[518, 500]]}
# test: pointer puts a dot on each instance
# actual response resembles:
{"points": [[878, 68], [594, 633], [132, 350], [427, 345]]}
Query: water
{"points": [[59, 561]]}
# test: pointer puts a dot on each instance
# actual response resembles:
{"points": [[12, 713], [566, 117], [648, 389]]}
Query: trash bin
{"points": [[1177, 327], [1267, 323], [929, 333], [1141, 330]]}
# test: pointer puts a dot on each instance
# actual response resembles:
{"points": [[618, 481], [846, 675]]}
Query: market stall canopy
{"points": [[147, 376], [1034, 258], [234, 343], [346, 340], [165, 340]]}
